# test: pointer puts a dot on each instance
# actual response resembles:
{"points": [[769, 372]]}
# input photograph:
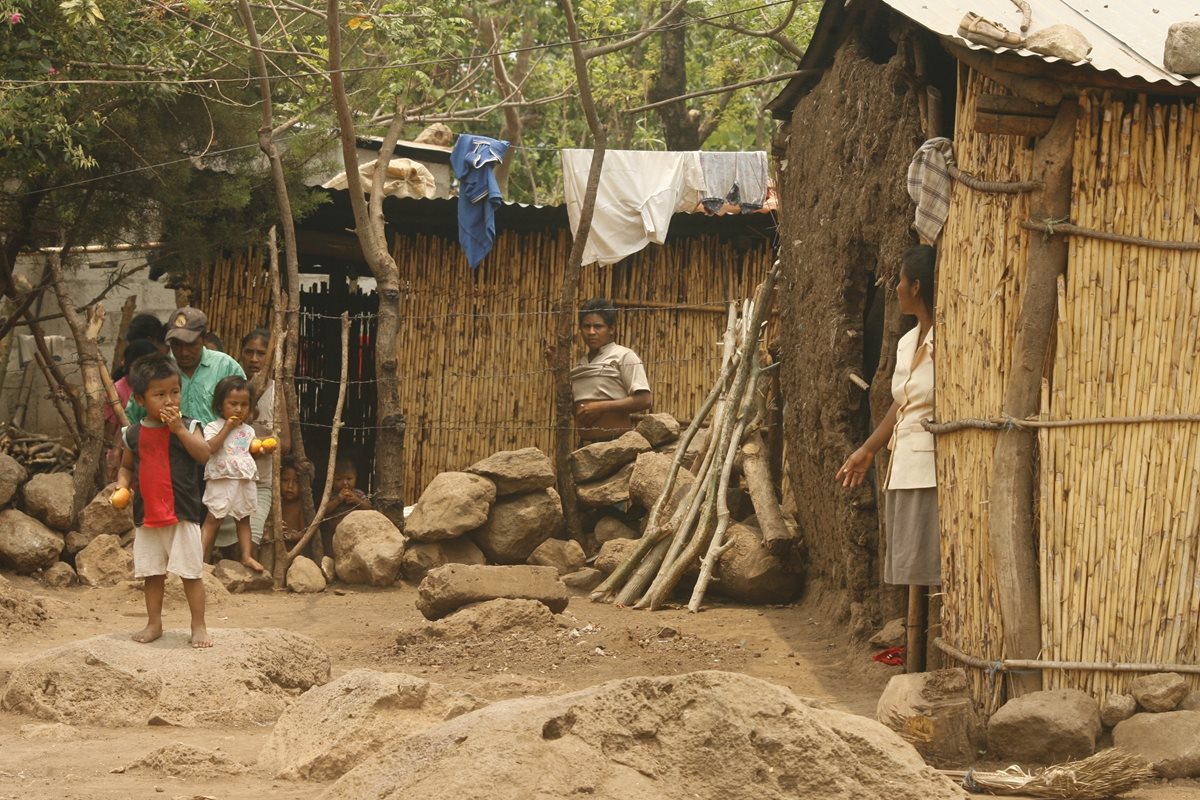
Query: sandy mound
{"points": [[700, 735], [335, 727], [248, 677], [20, 611], [186, 761], [494, 616]]}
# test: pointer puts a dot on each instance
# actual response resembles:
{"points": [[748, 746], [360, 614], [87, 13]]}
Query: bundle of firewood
{"points": [[686, 527], [35, 451]]}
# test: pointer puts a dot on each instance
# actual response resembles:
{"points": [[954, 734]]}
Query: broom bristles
{"points": [[1108, 773]]}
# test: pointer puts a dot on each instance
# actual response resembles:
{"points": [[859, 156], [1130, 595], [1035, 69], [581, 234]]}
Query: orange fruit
{"points": [[256, 446], [120, 498], [269, 444]]}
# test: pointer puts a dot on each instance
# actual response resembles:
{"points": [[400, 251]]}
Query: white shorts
{"points": [[230, 497], [175, 548], [227, 533]]}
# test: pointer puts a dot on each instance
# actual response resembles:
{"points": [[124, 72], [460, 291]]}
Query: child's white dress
{"points": [[230, 474]]}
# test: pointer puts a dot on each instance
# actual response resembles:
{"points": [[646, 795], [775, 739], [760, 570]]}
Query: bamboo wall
{"points": [[981, 275], [1120, 504], [235, 294], [471, 342]]}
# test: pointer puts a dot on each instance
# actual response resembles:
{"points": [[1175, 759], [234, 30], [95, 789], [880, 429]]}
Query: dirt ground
{"points": [[794, 646]]}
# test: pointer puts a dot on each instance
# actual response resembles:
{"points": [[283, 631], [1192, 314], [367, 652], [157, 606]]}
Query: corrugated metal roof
{"points": [[1127, 36]]}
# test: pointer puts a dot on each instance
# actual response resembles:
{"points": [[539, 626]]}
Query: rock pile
{"points": [[1159, 721]]}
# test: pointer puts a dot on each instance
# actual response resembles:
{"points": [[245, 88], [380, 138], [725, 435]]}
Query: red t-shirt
{"points": [[154, 477]]}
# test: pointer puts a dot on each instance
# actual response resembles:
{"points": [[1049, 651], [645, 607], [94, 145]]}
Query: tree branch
{"points": [[783, 76], [604, 49]]}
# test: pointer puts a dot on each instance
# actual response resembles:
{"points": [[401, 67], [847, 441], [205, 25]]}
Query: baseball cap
{"points": [[186, 324]]}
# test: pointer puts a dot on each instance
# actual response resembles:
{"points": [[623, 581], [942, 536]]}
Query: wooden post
{"points": [[1012, 518], [915, 624]]}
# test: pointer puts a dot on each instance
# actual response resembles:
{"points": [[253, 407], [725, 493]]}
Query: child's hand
{"points": [[173, 419], [233, 421]]}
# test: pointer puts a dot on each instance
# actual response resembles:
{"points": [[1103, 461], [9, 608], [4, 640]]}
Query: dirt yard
{"points": [[793, 646]]}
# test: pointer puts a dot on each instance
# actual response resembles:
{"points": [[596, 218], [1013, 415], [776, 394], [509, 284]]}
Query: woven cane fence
{"points": [[1118, 506], [472, 343]]}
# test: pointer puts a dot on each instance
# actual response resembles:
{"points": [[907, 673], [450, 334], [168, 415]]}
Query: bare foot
{"points": [[149, 633], [254, 565], [200, 637]]}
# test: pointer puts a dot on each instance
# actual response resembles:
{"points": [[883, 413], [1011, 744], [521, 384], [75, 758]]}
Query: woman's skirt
{"points": [[913, 555]]}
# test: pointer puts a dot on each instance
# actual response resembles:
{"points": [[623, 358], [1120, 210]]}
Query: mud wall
{"points": [[845, 221]]}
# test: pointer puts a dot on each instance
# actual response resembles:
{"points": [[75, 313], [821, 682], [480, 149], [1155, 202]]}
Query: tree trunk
{"points": [[681, 128], [1012, 518], [760, 481]]}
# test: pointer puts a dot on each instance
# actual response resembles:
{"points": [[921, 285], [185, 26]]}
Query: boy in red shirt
{"points": [[162, 466]]}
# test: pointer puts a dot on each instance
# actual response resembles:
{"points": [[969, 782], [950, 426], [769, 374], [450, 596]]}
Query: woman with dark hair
{"points": [[608, 383], [133, 351], [911, 512]]}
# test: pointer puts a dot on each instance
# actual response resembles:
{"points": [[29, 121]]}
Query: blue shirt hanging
{"points": [[473, 160]]}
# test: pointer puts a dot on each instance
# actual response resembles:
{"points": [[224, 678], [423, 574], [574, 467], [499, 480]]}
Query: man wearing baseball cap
{"points": [[202, 368]]}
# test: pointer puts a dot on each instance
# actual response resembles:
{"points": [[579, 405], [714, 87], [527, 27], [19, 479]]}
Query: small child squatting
{"points": [[160, 467]]}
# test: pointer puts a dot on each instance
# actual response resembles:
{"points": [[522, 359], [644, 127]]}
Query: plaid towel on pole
{"points": [[929, 187]]}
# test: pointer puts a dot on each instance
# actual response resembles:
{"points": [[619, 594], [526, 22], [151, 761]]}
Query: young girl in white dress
{"points": [[230, 475]]}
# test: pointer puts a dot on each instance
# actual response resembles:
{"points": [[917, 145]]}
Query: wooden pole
{"points": [[914, 629], [1012, 517]]}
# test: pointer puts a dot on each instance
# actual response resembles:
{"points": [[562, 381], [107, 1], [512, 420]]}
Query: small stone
{"points": [[236, 577], [328, 569], [893, 634], [609, 528], [565, 556], [606, 492], [76, 541], [1060, 41], [1117, 708], [1181, 53], [1159, 692], [583, 580], [516, 471], [667, 632], [658, 429], [59, 575], [305, 577], [601, 459], [367, 549]]}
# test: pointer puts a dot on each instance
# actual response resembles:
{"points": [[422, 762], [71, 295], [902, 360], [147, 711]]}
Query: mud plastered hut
{"points": [[471, 344], [1066, 294]]}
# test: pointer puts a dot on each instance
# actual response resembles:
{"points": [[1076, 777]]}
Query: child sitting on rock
{"points": [[160, 468], [344, 498]]}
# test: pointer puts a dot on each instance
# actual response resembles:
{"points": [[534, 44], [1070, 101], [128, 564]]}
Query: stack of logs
{"points": [[689, 525], [34, 451]]}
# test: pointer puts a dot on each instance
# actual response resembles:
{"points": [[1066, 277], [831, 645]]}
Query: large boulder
{"points": [[452, 504], [367, 548], [26, 545], [517, 525], [104, 562], [1045, 727], [658, 429], [651, 738], [420, 557], [1169, 741], [564, 555], [249, 677], [601, 459], [749, 573], [1181, 53], [238, 578], [456, 585], [333, 728], [100, 517], [1161, 691], [50, 497], [608, 491], [305, 577], [516, 471], [649, 477], [933, 712], [613, 553], [12, 476], [73, 542], [583, 580]]}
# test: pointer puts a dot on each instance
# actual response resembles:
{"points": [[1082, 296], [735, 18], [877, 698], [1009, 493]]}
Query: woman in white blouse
{"points": [[910, 505]]}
